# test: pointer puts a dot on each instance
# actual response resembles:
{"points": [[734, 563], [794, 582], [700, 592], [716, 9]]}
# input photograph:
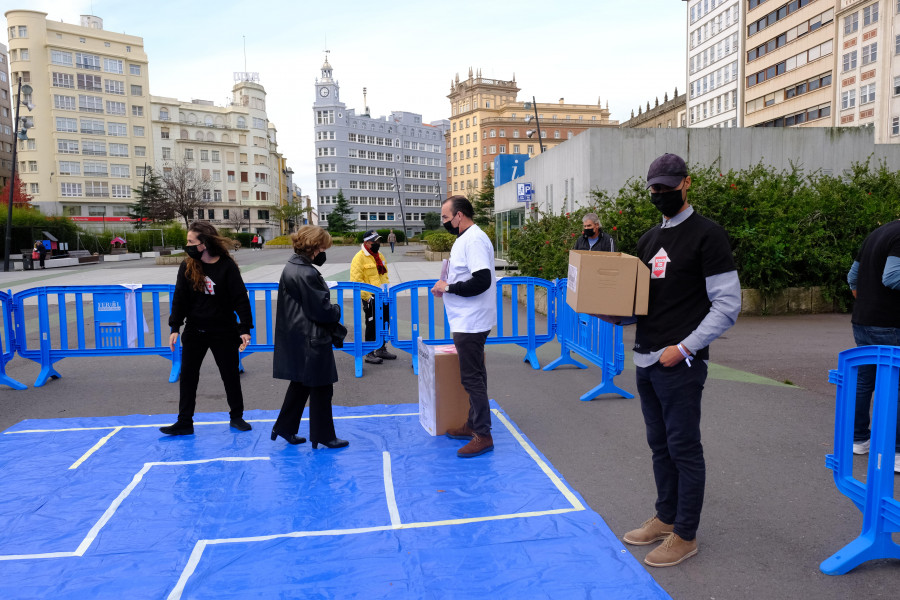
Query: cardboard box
{"points": [[443, 403], [607, 283]]}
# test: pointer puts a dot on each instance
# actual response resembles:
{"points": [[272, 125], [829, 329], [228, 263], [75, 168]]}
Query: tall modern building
{"points": [[367, 158], [714, 92], [487, 120], [91, 121], [234, 147], [7, 135], [789, 63]]}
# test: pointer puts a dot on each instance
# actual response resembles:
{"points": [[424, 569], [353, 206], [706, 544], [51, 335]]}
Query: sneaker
{"points": [[178, 428], [861, 447], [651, 530], [383, 353], [671, 552], [460, 433], [240, 424], [477, 446], [372, 359]]}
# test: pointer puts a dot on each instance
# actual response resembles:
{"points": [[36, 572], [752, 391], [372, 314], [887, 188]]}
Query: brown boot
{"points": [[671, 552], [478, 446], [652, 530], [460, 433]]}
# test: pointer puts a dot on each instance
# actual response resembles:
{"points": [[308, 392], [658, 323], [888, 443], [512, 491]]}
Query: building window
{"points": [[867, 94], [137, 90], [87, 61], [58, 57], [870, 15], [138, 131], [849, 61], [167, 153], [851, 23], [870, 53], [895, 122], [112, 65], [140, 150], [848, 99], [134, 69]]}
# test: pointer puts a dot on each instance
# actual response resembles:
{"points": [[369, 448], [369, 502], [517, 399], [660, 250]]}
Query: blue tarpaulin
{"points": [[110, 508]]}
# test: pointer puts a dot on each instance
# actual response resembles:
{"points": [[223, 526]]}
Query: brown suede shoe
{"points": [[671, 552], [478, 446], [652, 530], [460, 433]]}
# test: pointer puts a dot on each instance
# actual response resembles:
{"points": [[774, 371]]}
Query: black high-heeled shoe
{"points": [[335, 443], [290, 439]]}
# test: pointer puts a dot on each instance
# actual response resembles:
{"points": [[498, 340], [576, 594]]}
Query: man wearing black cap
{"points": [[695, 296], [368, 267]]}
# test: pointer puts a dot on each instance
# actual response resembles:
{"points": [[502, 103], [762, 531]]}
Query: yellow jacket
{"points": [[364, 270]]}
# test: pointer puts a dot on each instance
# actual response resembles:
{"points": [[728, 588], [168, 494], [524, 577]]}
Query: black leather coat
{"points": [[304, 312]]}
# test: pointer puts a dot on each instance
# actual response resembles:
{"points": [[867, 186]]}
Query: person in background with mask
{"points": [[209, 290], [304, 321], [470, 301], [593, 237], [695, 296], [368, 266]]}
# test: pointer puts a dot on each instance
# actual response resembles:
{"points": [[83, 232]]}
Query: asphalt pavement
{"points": [[772, 512]]}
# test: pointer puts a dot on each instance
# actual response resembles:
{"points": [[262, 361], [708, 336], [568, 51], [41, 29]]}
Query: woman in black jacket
{"points": [[208, 291], [304, 321]]}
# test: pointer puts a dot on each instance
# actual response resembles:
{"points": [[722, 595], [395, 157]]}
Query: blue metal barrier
{"points": [[875, 498], [354, 345], [7, 341], [109, 339], [597, 341], [507, 331]]}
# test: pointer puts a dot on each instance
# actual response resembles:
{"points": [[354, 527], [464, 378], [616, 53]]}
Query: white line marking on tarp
{"points": [[389, 490]]}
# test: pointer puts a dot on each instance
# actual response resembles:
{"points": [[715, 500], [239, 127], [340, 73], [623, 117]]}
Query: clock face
{"points": [[323, 92]]}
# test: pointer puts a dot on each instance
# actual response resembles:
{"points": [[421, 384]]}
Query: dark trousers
{"points": [[392, 247], [321, 422], [369, 310], [670, 401], [869, 335], [473, 375], [41, 257], [224, 346]]}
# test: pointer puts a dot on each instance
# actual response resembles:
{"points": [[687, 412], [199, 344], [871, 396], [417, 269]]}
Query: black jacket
{"points": [[604, 244], [212, 309], [303, 320]]}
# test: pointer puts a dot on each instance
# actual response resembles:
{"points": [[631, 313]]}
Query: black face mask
{"points": [[373, 248], [588, 233], [450, 228], [668, 203], [319, 260], [193, 252]]}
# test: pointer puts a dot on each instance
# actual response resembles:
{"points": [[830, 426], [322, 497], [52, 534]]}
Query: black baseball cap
{"points": [[371, 236], [667, 170]]}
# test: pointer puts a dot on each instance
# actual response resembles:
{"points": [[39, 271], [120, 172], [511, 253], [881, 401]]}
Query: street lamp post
{"points": [[20, 135], [402, 213], [537, 123]]}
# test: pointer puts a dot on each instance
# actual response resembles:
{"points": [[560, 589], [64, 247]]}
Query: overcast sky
{"points": [[405, 53]]}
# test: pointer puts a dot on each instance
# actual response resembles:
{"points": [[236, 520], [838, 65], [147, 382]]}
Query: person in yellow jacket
{"points": [[368, 267]]}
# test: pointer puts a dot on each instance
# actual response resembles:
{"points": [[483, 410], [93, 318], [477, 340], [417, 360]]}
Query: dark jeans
{"points": [[473, 375], [321, 422], [369, 310], [670, 401], [392, 247], [224, 346], [869, 335], [41, 257]]}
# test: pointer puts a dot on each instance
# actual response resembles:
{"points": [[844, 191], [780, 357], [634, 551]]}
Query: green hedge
{"points": [[787, 228], [440, 241]]}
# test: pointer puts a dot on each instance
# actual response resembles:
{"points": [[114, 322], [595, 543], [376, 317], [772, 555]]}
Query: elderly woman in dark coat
{"points": [[305, 319]]}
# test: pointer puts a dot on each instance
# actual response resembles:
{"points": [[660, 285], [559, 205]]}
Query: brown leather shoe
{"points": [[478, 446], [460, 433], [671, 552], [652, 530]]}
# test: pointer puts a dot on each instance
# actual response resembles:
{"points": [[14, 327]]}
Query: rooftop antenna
{"points": [[365, 103]]}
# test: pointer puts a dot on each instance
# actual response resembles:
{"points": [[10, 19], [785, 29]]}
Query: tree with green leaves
{"points": [[340, 220], [432, 220], [290, 213], [151, 204], [483, 202]]}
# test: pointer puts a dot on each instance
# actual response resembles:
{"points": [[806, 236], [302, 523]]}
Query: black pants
{"points": [[321, 422], [41, 257], [473, 375], [670, 402], [369, 311], [224, 346]]}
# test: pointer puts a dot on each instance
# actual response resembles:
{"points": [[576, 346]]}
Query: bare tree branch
{"points": [[184, 189]]}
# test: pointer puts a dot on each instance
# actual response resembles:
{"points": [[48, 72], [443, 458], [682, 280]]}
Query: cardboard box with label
{"points": [[607, 283], [443, 402]]}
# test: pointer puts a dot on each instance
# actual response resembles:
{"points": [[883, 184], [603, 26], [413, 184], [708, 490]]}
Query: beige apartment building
{"points": [[789, 63], [234, 147], [671, 113], [487, 120], [90, 134]]}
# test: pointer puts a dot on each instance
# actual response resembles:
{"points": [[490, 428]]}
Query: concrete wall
{"points": [[606, 159]]}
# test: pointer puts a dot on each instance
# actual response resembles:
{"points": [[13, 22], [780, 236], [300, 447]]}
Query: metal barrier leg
{"points": [[565, 358], [871, 545], [47, 372], [531, 357], [9, 381], [607, 387]]}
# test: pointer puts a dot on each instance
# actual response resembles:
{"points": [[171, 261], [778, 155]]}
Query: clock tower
{"points": [[327, 89]]}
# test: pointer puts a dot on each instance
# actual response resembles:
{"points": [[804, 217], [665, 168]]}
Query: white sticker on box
{"points": [[573, 275]]}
